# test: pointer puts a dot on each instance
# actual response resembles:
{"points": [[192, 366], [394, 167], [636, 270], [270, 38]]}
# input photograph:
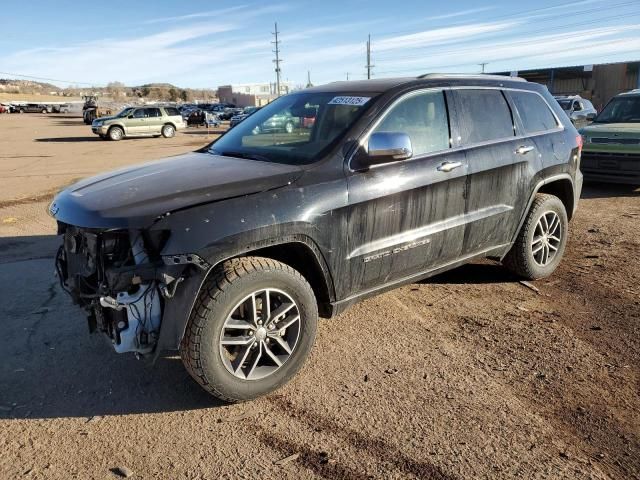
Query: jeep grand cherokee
{"points": [[229, 254]]}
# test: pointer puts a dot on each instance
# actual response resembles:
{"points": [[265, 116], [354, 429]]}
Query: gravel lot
{"points": [[471, 374]]}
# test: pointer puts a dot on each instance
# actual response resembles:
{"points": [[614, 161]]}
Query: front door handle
{"points": [[448, 166], [523, 150]]}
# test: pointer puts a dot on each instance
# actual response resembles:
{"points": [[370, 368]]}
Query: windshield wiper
{"points": [[248, 156]]}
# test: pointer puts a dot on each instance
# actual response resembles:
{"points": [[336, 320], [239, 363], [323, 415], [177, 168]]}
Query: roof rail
{"points": [[479, 76]]}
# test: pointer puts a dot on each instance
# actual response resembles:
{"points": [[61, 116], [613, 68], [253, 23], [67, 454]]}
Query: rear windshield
{"points": [[294, 129], [565, 104]]}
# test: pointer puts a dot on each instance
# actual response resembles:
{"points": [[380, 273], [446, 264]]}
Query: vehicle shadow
{"points": [[70, 123], [482, 272], [607, 190], [69, 139], [51, 367]]}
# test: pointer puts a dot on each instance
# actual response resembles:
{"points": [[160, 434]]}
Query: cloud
{"points": [[255, 12], [461, 13], [518, 51]]}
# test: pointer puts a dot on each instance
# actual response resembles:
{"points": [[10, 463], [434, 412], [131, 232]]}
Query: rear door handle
{"points": [[523, 150], [448, 166]]}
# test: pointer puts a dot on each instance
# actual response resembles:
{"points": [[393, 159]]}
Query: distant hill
{"points": [[26, 86], [115, 90], [157, 85]]}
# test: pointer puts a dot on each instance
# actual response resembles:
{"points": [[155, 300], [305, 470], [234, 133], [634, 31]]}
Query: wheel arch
{"points": [[298, 251], [563, 189], [559, 185], [121, 127]]}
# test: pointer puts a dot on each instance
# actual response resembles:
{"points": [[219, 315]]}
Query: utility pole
{"points": [[277, 60], [369, 66], [309, 84], [483, 64], [348, 76]]}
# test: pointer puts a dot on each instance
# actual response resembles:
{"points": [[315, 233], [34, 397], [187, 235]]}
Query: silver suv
{"points": [[580, 110], [139, 122]]}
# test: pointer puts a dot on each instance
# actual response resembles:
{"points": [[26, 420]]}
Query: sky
{"points": [[203, 44]]}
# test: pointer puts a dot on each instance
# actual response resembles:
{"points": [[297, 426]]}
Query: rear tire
{"points": [[168, 131], [541, 241], [115, 134], [236, 372]]}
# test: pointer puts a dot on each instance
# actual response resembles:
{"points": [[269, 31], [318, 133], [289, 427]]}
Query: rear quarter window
{"points": [[534, 112], [484, 115], [172, 112]]}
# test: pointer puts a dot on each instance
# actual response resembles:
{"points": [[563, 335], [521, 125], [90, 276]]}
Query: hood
{"points": [[104, 119], [133, 197], [611, 129]]}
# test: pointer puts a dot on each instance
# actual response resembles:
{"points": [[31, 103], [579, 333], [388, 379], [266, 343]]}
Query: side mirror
{"points": [[384, 147], [591, 117]]}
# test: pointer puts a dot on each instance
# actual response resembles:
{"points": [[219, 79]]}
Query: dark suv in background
{"points": [[231, 253]]}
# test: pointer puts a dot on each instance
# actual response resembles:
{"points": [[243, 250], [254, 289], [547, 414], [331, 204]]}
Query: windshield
{"points": [[565, 104], [125, 112], [293, 129], [621, 110]]}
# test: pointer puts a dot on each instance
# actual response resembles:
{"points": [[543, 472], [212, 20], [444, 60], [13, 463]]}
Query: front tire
{"points": [[168, 131], [541, 241], [115, 134], [251, 330]]}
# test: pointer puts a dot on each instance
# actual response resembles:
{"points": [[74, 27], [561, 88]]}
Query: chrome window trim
{"points": [[365, 137]]}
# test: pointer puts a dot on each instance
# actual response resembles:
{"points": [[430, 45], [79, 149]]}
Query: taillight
{"points": [[579, 140]]}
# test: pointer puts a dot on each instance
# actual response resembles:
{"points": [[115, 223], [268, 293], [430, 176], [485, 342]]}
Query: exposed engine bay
{"points": [[121, 280]]}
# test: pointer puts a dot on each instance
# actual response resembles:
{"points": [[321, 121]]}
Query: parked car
{"points": [[139, 122], [32, 108], [4, 108], [61, 108], [580, 110], [199, 118], [612, 142], [229, 112], [283, 122], [236, 119], [230, 253]]}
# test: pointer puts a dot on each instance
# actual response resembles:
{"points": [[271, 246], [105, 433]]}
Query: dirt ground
{"points": [[470, 374]]}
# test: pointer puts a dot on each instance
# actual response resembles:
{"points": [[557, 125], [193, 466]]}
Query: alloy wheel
{"points": [[260, 334], [547, 238]]}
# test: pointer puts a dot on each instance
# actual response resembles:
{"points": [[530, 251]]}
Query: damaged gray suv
{"points": [[231, 253]]}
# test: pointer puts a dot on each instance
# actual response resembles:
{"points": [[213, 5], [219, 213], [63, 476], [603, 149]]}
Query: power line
{"points": [[277, 60], [504, 59], [31, 77]]}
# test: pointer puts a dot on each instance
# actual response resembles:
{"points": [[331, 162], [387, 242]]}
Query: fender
{"points": [[536, 189], [179, 308]]}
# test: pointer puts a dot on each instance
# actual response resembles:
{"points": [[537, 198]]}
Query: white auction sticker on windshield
{"points": [[353, 101]]}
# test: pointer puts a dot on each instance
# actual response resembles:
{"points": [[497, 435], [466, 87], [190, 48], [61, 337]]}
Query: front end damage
{"points": [[123, 282]]}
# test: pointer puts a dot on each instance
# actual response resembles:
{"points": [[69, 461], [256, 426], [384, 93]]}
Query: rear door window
{"points": [[153, 112], [484, 115], [423, 117], [534, 112]]}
